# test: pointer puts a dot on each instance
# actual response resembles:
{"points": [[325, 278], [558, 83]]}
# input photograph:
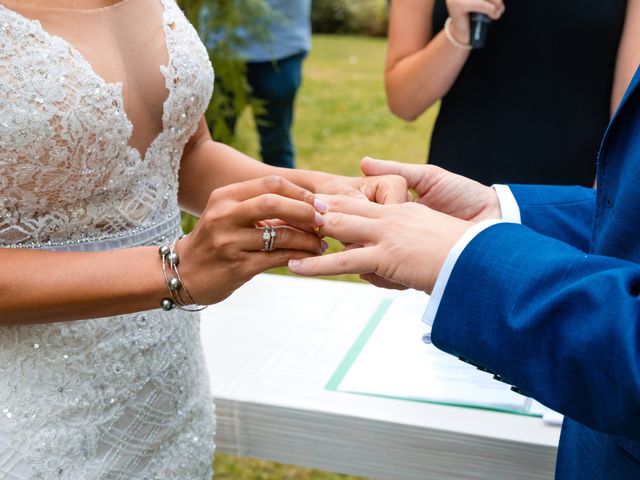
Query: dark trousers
{"points": [[276, 84]]}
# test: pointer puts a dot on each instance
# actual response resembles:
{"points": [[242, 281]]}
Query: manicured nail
{"points": [[324, 245], [294, 265], [319, 219], [320, 205]]}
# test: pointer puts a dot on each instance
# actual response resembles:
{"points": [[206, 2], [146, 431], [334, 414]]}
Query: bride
{"points": [[101, 142]]}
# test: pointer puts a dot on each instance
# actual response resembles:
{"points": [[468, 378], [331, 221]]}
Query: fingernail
{"points": [[294, 264], [320, 205], [319, 219], [325, 246]]}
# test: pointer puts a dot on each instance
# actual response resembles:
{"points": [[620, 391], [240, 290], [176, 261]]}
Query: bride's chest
{"points": [[59, 118]]}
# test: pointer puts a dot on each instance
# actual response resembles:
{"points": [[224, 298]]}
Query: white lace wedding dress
{"points": [[111, 398]]}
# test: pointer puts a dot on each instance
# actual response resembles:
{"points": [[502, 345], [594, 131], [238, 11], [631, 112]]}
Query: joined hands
{"points": [[400, 245]]}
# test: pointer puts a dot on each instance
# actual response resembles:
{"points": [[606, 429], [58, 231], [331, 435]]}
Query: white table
{"points": [[272, 347]]}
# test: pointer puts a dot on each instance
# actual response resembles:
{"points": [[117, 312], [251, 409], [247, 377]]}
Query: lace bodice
{"points": [[67, 170], [112, 398]]}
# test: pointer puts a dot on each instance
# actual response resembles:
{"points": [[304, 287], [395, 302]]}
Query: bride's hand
{"points": [[226, 249]]}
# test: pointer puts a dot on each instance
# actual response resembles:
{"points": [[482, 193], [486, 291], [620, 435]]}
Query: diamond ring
{"points": [[268, 238]]}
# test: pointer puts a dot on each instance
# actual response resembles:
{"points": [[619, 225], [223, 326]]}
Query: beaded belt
{"points": [[156, 233]]}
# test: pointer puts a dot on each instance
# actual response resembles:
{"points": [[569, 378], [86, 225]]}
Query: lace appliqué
{"points": [[114, 398], [66, 168]]}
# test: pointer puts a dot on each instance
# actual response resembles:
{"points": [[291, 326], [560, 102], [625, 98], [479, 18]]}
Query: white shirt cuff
{"points": [[447, 268], [510, 213], [508, 205]]}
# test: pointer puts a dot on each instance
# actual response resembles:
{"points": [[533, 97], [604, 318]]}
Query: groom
{"points": [[551, 305]]}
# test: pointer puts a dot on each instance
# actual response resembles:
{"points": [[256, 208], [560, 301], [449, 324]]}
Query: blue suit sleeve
{"points": [[564, 213], [561, 325]]}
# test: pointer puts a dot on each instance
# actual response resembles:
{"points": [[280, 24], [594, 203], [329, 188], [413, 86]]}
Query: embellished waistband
{"points": [[153, 234]]}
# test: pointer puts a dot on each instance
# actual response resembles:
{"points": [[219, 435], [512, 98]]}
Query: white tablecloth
{"points": [[272, 347]]}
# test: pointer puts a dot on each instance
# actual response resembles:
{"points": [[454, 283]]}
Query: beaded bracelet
{"points": [[452, 39], [174, 282]]}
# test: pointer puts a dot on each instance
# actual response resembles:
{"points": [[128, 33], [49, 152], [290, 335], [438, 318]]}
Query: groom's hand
{"points": [[382, 188], [441, 190], [402, 244]]}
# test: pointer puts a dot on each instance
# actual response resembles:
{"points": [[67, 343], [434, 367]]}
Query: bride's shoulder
{"points": [[30, 63], [23, 41], [17, 31], [16, 44]]}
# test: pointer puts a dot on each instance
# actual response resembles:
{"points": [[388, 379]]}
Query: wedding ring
{"points": [[268, 238], [272, 239]]}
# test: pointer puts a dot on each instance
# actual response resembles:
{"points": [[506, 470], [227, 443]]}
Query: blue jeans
{"points": [[276, 84]]}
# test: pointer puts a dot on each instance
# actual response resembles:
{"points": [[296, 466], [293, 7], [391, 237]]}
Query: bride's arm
{"points": [[222, 252], [44, 287], [207, 165]]}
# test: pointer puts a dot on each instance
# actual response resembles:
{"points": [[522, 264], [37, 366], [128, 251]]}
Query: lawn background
{"points": [[341, 116]]}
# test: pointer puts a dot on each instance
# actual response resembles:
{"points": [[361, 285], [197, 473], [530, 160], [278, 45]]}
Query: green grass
{"points": [[341, 111], [230, 467], [341, 116]]}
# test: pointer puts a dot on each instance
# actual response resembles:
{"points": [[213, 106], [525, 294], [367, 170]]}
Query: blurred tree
{"points": [[364, 17], [223, 25]]}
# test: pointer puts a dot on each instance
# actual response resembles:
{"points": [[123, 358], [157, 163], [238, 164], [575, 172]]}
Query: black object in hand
{"points": [[479, 28]]}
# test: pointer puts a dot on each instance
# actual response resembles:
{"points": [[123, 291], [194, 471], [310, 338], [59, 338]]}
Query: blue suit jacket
{"points": [[553, 305]]}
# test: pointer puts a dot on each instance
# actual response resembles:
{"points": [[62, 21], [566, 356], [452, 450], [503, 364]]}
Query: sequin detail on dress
{"points": [[115, 398]]}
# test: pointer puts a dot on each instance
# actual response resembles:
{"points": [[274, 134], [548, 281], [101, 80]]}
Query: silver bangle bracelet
{"points": [[174, 268], [452, 39], [170, 261]]}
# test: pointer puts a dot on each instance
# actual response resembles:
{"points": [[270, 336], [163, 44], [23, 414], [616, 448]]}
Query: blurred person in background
{"points": [[529, 107], [274, 73]]}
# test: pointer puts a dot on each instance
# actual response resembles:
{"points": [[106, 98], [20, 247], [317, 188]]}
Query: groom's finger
{"points": [[348, 228], [353, 206], [391, 189], [358, 260], [378, 281], [413, 173]]}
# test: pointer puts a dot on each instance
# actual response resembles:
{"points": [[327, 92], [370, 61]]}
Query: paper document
{"points": [[390, 359]]}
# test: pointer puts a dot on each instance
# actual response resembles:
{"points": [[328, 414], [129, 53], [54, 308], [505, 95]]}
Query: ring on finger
{"points": [[268, 238], [272, 239]]}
